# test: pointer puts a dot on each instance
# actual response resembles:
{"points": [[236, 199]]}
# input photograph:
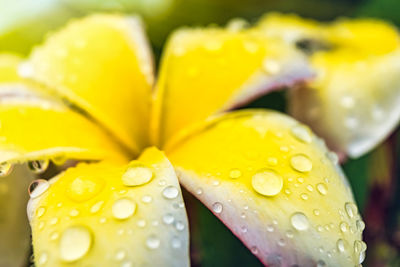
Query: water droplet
{"points": [[123, 208], [217, 207], [74, 213], [322, 189], [316, 212], [40, 211], [304, 196], [332, 156], [309, 188], [321, 263], [5, 169], [75, 243], [235, 173], [120, 255], [281, 242], [136, 175], [168, 218], [83, 188], [141, 223], [270, 228], [254, 250], [38, 166], [301, 133], [350, 209], [176, 243], [299, 221], [271, 66], [243, 229], [170, 192], [179, 226], [152, 242], [343, 227], [289, 234], [43, 258], [38, 187], [96, 207], [301, 163], [272, 161], [199, 191], [54, 236], [147, 199], [340, 245], [360, 225], [53, 221], [267, 182]]}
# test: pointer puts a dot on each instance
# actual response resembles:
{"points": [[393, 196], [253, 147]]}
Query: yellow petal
{"points": [[102, 64], [14, 228], [353, 102], [205, 71], [8, 67], [275, 185], [90, 216], [35, 126]]}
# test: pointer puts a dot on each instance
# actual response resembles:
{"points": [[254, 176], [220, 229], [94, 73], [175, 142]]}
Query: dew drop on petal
{"points": [[168, 218], [301, 133], [350, 209], [344, 227], [38, 166], [322, 189], [96, 207], [299, 221], [301, 163], [38, 187], [217, 207], [340, 245], [75, 243], [235, 173], [170, 192], [152, 242], [137, 175], [267, 182], [123, 208]]}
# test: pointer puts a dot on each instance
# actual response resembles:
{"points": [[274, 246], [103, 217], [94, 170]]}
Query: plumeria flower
{"points": [[84, 101]]}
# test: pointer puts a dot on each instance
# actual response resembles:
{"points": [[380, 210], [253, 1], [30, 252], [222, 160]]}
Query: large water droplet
{"points": [[38, 166], [5, 168], [152, 242], [170, 192], [123, 208], [299, 221], [75, 243], [217, 207], [322, 189], [301, 133], [301, 163], [360, 225], [267, 182], [137, 175], [38, 187]]}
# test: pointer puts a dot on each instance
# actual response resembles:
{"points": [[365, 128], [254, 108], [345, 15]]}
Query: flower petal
{"points": [[275, 185], [353, 102], [102, 64], [107, 215], [14, 228], [35, 126], [205, 71]]}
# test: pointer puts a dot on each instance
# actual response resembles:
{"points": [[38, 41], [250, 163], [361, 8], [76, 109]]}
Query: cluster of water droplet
{"points": [[75, 241]]}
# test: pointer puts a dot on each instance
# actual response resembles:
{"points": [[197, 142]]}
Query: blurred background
{"points": [[374, 177]]}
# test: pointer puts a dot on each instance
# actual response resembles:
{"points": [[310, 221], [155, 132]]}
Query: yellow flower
{"points": [[84, 100]]}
